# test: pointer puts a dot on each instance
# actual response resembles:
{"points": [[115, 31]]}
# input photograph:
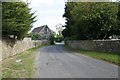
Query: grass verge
{"points": [[109, 57], [22, 69]]}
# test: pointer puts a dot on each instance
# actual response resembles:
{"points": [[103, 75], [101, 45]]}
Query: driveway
{"points": [[57, 62]]}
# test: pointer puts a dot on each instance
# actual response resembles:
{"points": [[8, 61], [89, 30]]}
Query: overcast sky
{"points": [[49, 12]]}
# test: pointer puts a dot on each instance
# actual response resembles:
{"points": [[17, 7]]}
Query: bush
{"points": [[52, 38]]}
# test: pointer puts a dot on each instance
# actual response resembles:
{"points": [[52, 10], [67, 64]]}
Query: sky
{"points": [[49, 12]]}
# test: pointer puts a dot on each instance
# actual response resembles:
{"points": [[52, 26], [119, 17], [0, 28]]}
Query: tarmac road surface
{"points": [[57, 62]]}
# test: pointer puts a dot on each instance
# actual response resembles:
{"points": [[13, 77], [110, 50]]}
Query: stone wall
{"points": [[13, 48], [96, 45]]}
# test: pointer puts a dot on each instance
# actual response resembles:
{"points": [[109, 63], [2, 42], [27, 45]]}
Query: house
{"points": [[44, 31]]}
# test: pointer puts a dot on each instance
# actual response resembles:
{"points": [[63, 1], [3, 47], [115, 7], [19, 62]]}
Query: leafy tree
{"points": [[91, 20], [52, 39], [36, 36], [17, 19]]}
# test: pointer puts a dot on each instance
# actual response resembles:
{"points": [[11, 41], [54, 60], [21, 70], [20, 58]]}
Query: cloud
{"points": [[48, 2], [43, 1], [49, 12], [37, 3]]}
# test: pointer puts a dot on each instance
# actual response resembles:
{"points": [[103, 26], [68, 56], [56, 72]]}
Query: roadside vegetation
{"points": [[20, 65], [52, 39], [105, 56], [91, 20], [17, 19]]}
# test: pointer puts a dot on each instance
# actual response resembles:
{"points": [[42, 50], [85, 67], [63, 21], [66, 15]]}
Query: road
{"points": [[57, 62]]}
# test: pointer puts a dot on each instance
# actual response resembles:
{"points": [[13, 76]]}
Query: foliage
{"points": [[105, 56], [52, 39], [16, 19], [29, 35], [91, 20], [59, 38], [25, 69], [36, 36]]}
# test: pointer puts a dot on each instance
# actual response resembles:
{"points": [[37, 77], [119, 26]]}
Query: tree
{"points": [[91, 20], [17, 19], [52, 38], [59, 28]]}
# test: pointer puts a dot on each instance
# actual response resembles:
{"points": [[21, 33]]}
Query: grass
{"points": [[109, 57], [23, 69]]}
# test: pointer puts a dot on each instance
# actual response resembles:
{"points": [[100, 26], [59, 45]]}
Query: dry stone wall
{"points": [[96, 45], [19, 46]]}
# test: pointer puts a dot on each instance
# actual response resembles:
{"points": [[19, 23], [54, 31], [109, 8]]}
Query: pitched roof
{"points": [[38, 29]]}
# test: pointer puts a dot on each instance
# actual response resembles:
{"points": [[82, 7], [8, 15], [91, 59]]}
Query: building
{"points": [[44, 31]]}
